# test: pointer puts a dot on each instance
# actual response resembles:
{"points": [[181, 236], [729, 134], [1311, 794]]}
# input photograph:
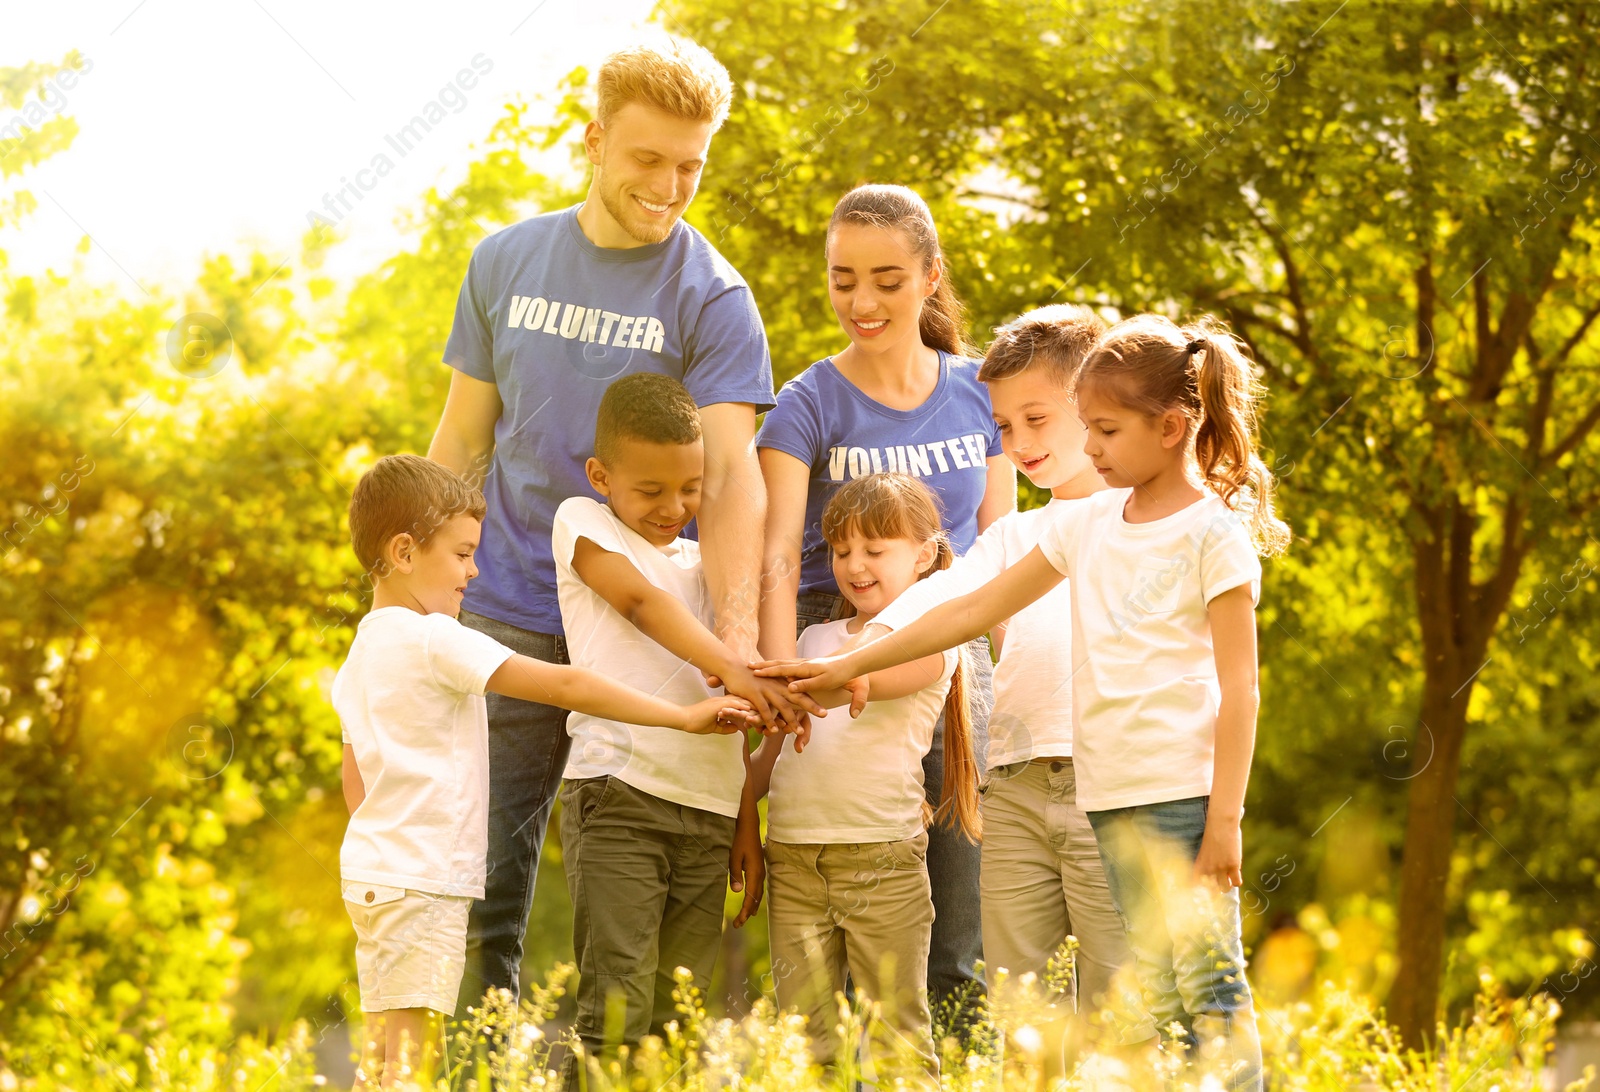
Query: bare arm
{"points": [[732, 514], [464, 440], [887, 684], [788, 482], [1000, 492], [758, 772], [590, 692], [948, 625], [669, 623], [350, 775], [1233, 636]]}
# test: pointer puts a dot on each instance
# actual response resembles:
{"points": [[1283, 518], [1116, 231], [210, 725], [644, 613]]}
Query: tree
{"points": [[179, 589], [1393, 205]]}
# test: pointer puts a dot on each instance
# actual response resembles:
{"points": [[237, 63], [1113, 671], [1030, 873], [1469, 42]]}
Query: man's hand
{"points": [[718, 716], [747, 864], [1221, 858]]}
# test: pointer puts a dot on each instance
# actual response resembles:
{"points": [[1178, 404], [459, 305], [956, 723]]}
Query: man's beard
{"points": [[632, 221]]}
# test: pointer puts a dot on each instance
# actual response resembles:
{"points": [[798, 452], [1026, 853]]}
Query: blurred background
{"points": [[231, 238]]}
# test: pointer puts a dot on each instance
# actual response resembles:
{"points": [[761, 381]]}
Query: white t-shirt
{"points": [[857, 780], [410, 700], [698, 771], [1032, 716], [1144, 680]]}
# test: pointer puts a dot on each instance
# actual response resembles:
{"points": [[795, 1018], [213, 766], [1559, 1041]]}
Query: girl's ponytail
{"points": [[958, 797], [1152, 366], [1225, 443]]}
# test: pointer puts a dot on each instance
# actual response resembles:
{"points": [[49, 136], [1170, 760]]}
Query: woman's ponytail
{"points": [[944, 320]]}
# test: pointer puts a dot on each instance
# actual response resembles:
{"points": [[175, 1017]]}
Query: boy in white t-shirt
{"points": [[416, 777], [648, 817]]}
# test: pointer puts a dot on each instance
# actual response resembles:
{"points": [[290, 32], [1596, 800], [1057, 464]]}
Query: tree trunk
{"points": [[1456, 620], [1425, 866]]}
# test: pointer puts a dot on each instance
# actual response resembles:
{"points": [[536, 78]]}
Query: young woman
{"points": [[902, 396], [1165, 578]]}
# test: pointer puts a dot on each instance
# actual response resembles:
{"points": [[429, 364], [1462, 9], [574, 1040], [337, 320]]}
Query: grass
{"points": [[1333, 1043]]}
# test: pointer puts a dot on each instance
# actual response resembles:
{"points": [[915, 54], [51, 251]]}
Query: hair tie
{"points": [[1195, 346]]}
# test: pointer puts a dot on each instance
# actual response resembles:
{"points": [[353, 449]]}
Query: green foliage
{"points": [[179, 589], [1336, 1043], [1395, 206]]}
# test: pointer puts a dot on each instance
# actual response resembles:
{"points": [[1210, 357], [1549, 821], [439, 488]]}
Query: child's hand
{"points": [[798, 706], [719, 716], [780, 710], [823, 673], [1221, 858], [747, 865]]}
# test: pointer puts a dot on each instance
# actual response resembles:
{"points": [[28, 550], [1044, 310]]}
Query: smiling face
{"points": [[647, 167], [1128, 447], [433, 577], [872, 572], [1039, 427], [877, 284], [653, 488]]}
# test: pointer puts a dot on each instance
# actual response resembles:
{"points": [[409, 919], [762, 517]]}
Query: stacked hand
{"points": [[814, 676], [719, 716], [778, 710]]}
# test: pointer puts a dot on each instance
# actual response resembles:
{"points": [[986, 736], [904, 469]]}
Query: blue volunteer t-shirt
{"points": [[552, 320], [828, 423]]}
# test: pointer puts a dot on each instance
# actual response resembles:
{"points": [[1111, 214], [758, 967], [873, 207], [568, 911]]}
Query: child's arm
{"points": [[758, 771], [1233, 636], [592, 693], [969, 572], [354, 790], [747, 861], [885, 685], [666, 621], [948, 625]]}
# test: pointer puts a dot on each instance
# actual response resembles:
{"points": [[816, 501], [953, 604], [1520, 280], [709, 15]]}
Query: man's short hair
{"points": [[1057, 337], [673, 74], [644, 406], [406, 494]]}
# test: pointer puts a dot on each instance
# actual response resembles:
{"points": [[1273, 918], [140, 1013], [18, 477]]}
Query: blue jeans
{"points": [[1184, 937], [955, 986], [528, 745]]}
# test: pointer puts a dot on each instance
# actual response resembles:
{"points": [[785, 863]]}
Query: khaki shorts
{"points": [[411, 946]]}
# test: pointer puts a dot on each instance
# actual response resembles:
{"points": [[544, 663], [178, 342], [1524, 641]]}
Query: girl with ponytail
{"points": [[848, 820], [1165, 576], [903, 397]]}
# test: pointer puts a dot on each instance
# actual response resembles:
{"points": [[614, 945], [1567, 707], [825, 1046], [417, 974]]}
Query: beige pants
{"points": [[1043, 879], [865, 909]]}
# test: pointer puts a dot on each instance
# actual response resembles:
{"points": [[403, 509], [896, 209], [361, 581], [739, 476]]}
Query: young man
{"points": [[551, 311]]}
